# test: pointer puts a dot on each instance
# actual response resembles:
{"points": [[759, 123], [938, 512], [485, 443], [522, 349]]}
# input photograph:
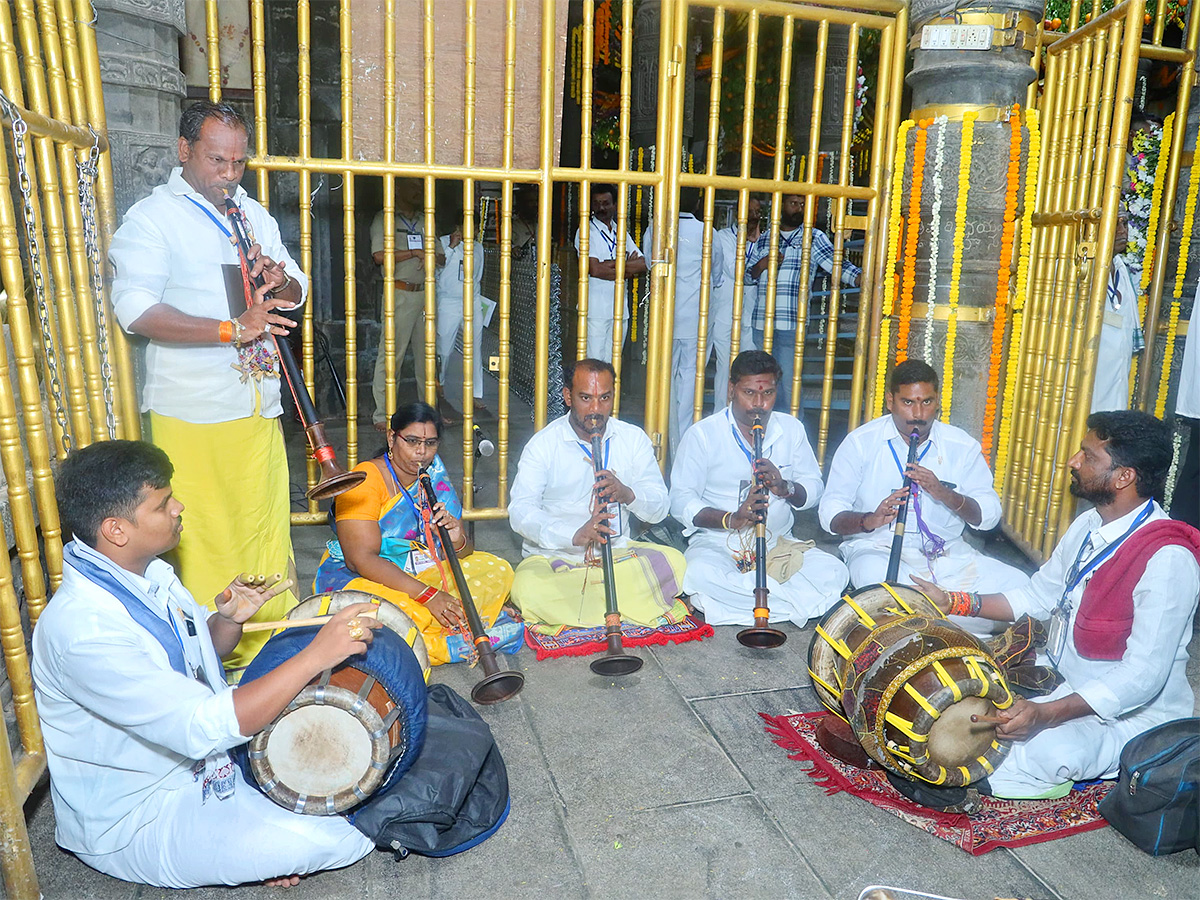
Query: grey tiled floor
{"points": [[664, 785]]}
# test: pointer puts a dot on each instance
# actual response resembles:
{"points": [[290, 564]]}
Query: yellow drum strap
{"points": [[976, 671], [905, 726], [921, 701], [838, 645], [862, 613], [944, 678]]}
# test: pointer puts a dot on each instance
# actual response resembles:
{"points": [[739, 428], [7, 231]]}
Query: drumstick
{"points": [[297, 623], [992, 720]]}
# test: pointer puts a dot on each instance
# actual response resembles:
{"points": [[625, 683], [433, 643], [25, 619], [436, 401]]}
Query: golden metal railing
{"points": [[1085, 111], [68, 381], [425, 160]]}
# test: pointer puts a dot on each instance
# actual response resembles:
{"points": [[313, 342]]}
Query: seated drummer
{"points": [[133, 704], [1120, 592], [382, 542], [711, 496], [553, 508], [952, 488]]}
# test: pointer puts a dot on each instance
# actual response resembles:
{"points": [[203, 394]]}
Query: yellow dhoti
{"points": [[232, 479]]}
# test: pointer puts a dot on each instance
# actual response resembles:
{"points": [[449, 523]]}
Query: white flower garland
{"points": [[935, 233]]}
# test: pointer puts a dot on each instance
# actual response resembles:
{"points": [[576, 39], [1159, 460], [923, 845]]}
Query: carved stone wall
{"points": [[138, 41]]}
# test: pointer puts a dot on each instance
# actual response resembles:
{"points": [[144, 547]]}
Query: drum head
{"points": [[876, 605], [390, 615]]}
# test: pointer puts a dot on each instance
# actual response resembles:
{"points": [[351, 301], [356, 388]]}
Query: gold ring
{"points": [[357, 633]]}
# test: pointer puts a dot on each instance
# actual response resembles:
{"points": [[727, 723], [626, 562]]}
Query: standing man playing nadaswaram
{"points": [[554, 508], [712, 496], [951, 488], [1120, 593], [603, 291], [788, 281], [212, 372]]}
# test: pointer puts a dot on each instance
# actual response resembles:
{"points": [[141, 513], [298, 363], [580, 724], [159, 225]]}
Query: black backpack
{"points": [[1156, 801], [453, 797]]}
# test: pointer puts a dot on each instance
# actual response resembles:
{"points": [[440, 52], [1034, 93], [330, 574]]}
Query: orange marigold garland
{"points": [[889, 277], [1018, 312], [1003, 275], [912, 227]]}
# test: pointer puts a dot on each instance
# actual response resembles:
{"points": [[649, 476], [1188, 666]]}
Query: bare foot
{"points": [[286, 881], [381, 427]]}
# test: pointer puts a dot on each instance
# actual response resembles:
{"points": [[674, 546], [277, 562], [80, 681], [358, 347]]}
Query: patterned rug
{"points": [[1001, 823], [586, 641]]}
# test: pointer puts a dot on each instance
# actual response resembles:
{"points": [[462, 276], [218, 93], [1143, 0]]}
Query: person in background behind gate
{"points": [[409, 275], [788, 281], [1120, 593], [951, 488], [212, 375], [604, 294], [1185, 503], [553, 507], [720, 322], [450, 280], [1118, 334], [713, 497], [134, 708]]}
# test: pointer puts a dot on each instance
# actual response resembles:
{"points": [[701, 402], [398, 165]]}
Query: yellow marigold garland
{"points": [[889, 272], [1185, 246], [912, 228], [960, 229], [1160, 174], [1004, 274], [1018, 311]]}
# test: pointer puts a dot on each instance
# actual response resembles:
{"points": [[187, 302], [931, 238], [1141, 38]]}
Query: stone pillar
{"points": [[951, 82], [138, 41]]}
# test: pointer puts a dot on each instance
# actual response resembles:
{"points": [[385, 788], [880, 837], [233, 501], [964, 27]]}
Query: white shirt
{"points": [[602, 246], [168, 251], [552, 493], [713, 468], [1110, 390], [724, 253], [120, 725], [450, 276], [864, 471], [1187, 401], [689, 256], [1151, 678]]}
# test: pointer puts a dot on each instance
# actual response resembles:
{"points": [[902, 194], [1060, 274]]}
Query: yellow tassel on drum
{"points": [[977, 672], [921, 701], [836, 644], [905, 726], [944, 678], [862, 613]]}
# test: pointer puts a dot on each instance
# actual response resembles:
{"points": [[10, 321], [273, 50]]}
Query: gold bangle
{"points": [[725, 521], [960, 506]]}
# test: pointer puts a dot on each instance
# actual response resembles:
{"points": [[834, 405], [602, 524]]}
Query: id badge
{"points": [[460, 271], [1056, 634], [416, 242], [418, 561]]}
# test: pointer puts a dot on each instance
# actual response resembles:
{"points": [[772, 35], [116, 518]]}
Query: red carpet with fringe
{"points": [[1001, 823], [586, 641]]}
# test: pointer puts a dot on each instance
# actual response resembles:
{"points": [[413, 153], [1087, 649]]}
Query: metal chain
{"points": [[88, 169], [19, 130]]}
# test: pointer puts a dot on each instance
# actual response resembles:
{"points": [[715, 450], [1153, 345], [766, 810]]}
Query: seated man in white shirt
{"points": [[563, 508], [1120, 592], [711, 496], [133, 704], [952, 488]]}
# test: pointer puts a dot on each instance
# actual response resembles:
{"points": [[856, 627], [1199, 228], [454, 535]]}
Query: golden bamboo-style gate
{"points": [[67, 381], [1085, 111]]}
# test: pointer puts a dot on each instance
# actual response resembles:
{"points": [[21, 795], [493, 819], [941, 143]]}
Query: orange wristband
{"points": [[225, 332]]}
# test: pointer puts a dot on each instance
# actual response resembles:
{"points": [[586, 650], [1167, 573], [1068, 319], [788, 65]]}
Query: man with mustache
{"points": [[789, 278], [1119, 592], [952, 488], [564, 511], [212, 387]]}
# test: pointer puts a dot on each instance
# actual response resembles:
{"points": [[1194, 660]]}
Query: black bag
{"points": [[455, 795], [1156, 802]]}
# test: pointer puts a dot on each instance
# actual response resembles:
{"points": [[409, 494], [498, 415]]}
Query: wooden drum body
{"points": [[352, 731], [390, 615], [909, 682]]}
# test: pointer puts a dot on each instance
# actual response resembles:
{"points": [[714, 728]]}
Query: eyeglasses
{"points": [[416, 442]]}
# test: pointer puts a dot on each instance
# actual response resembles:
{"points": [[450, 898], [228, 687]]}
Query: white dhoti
{"points": [[960, 568], [727, 596], [1079, 750], [246, 838]]}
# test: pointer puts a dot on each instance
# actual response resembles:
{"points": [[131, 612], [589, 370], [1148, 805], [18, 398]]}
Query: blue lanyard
{"points": [[737, 436], [1106, 552], [610, 240], [412, 227], [920, 456], [208, 212], [387, 458], [588, 451]]}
